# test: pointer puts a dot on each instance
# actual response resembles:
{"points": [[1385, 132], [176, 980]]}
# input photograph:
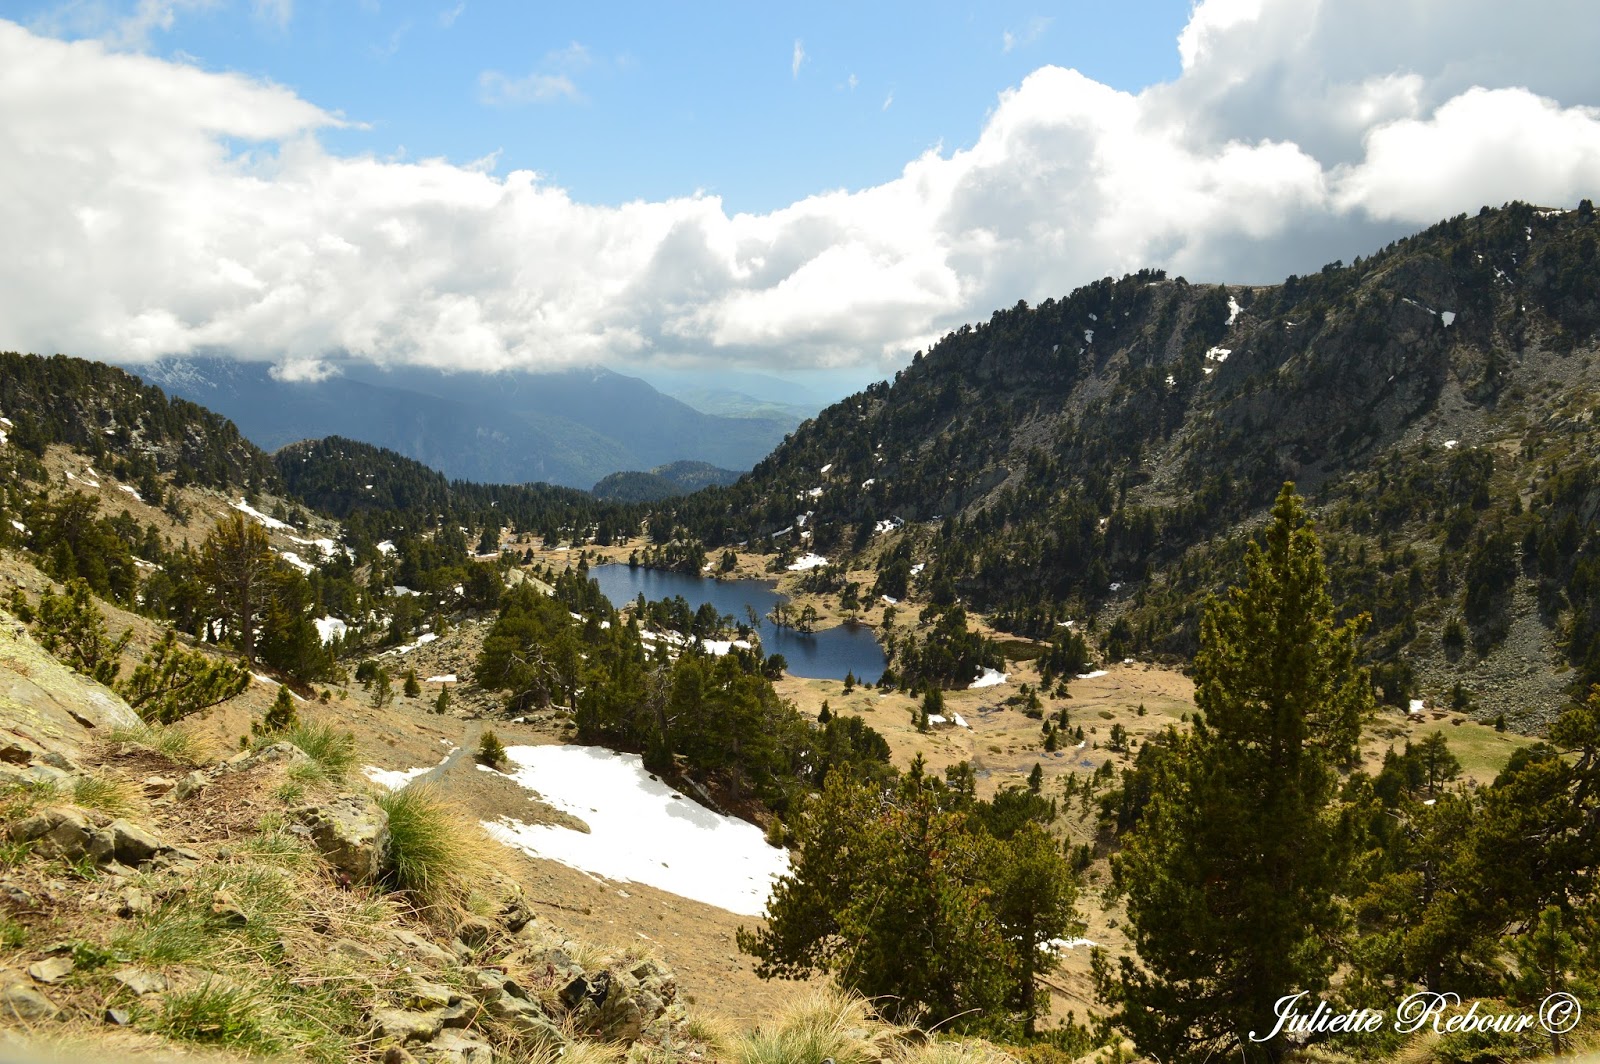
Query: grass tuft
{"points": [[438, 853], [107, 796], [169, 739], [332, 752], [218, 1013], [826, 1023]]}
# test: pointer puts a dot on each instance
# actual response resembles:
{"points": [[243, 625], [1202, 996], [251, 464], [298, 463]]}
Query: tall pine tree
{"points": [[1232, 875]]}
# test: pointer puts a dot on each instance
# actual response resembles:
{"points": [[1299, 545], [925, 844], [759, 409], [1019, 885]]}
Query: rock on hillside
{"points": [[45, 707]]}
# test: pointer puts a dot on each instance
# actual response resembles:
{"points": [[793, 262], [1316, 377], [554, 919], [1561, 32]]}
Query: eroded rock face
{"points": [[353, 834]]}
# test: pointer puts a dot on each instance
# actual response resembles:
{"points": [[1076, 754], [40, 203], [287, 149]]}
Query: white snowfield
{"points": [[640, 830], [807, 561]]}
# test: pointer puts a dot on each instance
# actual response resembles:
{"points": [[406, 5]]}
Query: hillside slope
{"points": [[1100, 456]]}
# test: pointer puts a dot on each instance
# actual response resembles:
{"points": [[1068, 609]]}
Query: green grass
{"points": [[219, 1013], [438, 854], [1483, 752], [332, 752], [107, 796], [168, 739]]}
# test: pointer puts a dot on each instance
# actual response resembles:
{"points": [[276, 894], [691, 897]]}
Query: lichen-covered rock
{"points": [[46, 707], [405, 1026], [352, 832], [56, 832]]}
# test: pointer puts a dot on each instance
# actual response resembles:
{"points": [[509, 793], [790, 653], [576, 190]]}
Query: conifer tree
{"points": [[172, 683], [71, 627], [1232, 873]]}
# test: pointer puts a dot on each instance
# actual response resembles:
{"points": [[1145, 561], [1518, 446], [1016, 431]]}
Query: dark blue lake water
{"points": [[824, 655]]}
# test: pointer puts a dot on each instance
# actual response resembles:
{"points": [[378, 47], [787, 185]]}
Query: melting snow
{"points": [[720, 647], [889, 599], [1415, 708], [386, 547], [1059, 944], [295, 560], [1088, 336], [1092, 675], [330, 628], [1233, 309], [131, 491], [640, 830], [19, 526], [401, 589], [988, 678], [960, 721], [422, 640], [394, 779], [448, 677], [1451, 445], [827, 467], [271, 522], [807, 561], [917, 568], [1448, 317]]}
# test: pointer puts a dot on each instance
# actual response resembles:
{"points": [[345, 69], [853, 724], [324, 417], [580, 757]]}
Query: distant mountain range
{"points": [[569, 428]]}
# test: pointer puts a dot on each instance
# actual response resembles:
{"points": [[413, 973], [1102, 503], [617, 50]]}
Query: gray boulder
{"points": [[352, 832]]}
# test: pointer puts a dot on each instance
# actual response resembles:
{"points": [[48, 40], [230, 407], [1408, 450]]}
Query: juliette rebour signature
{"points": [[1557, 1014]]}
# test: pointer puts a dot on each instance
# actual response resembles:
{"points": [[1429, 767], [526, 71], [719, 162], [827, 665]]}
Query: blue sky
{"points": [[479, 187], [651, 100]]}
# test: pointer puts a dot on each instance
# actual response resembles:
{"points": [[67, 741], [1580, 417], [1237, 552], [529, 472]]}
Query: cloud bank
{"points": [[157, 209]]}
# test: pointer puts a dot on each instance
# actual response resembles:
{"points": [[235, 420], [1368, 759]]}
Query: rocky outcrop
{"points": [[45, 707], [352, 832], [75, 835]]}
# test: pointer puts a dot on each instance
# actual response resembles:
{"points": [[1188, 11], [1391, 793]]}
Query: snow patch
{"points": [[1448, 317], [270, 522], [330, 628], [640, 830], [387, 547], [448, 677], [1092, 675], [989, 678], [130, 490], [1451, 445], [422, 640], [295, 560], [1233, 309], [807, 561]]}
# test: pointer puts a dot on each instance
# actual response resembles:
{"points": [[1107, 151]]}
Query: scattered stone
{"points": [[421, 947], [524, 1017], [453, 1047], [118, 1017], [55, 832], [16, 897], [279, 753], [133, 845], [156, 786], [404, 1026], [516, 916], [140, 981], [424, 995], [13, 752], [190, 784], [133, 902], [51, 970], [398, 1055], [19, 1001], [58, 760], [351, 831], [227, 906], [474, 932], [356, 951]]}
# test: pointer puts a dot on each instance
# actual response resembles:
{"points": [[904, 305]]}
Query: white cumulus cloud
{"points": [[159, 209]]}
